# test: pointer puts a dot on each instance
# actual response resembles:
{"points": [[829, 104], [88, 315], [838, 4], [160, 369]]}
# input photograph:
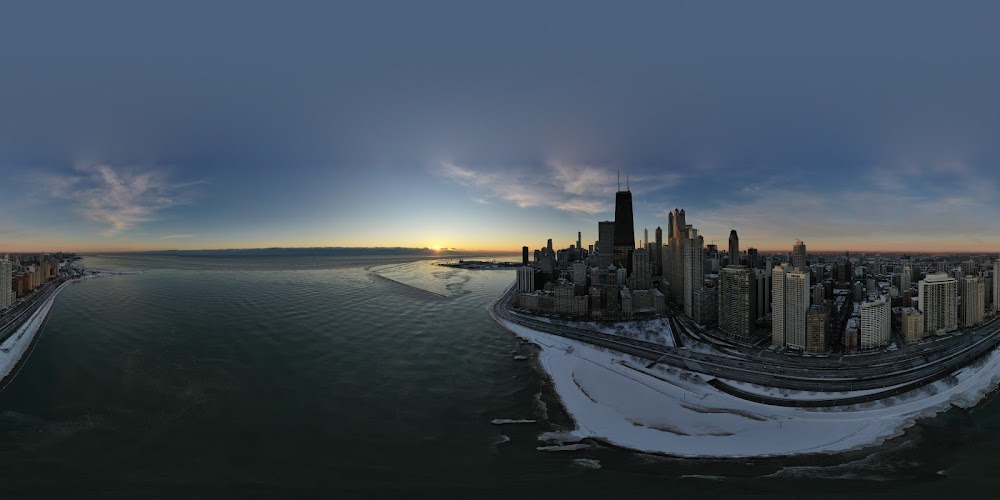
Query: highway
{"points": [[907, 368], [11, 320]]}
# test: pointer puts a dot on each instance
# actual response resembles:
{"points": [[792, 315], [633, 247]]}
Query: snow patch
{"points": [[670, 412]]}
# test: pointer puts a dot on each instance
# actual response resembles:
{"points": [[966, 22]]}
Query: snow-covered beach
{"points": [[15, 347], [615, 398]]}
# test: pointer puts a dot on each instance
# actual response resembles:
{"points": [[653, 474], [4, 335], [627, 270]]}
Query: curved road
{"points": [[896, 372]]}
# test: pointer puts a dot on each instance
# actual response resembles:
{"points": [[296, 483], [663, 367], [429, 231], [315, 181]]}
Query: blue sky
{"points": [[850, 125]]}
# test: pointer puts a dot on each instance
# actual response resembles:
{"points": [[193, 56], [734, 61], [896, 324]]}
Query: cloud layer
{"points": [[585, 189], [119, 199]]}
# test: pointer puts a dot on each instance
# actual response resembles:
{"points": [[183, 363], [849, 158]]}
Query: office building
{"points": [[624, 230]]}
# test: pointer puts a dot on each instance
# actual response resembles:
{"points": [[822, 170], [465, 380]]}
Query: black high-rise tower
{"points": [[624, 229]]}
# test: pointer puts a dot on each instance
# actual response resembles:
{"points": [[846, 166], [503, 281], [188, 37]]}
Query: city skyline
{"points": [[432, 126]]}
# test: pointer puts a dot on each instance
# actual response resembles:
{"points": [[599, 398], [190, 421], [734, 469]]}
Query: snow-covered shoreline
{"points": [[615, 399], [14, 347]]}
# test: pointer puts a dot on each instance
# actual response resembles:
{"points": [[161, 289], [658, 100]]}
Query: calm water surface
{"points": [[285, 377]]}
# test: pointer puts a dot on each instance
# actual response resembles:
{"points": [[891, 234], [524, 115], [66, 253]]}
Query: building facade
{"points": [[525, 279], [912, 323], [799, 255], [737, 302], [973, 304], [734, 248], [939, 303], [996, 286], [876, 323], [818, 320], [694, 274], [790, 302], [642, 274]]}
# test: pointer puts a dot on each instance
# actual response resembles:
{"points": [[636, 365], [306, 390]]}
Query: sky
{"points": [[491, 125]]}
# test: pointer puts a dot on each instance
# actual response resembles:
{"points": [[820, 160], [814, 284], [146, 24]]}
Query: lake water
{"points": [[291, 377]]}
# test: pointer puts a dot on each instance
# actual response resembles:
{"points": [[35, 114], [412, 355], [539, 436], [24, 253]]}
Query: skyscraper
{"points": [[524, 256], [693, 268], [734, 248], [737, 302], [791, 301], [973, 300], [752, 258], [657, 255], [677, 237], [939, 303], [605, 243], [799, 255], [624, 229], [778, 305]]}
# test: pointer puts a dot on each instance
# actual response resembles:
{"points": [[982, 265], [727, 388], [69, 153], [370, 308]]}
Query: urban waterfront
{"points": [[299, 375]]}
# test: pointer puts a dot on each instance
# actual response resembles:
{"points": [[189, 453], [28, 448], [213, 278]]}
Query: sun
{"points": [[436, 248]]}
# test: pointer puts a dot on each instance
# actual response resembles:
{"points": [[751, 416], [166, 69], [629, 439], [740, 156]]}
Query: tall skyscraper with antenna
{"points": [[624, 228], [734, 248]]}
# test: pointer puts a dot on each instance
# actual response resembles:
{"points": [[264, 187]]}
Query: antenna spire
{"points": [[626, 182], [619, 180]]}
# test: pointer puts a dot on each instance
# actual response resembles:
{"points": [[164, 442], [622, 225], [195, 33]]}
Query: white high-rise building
{"points": [[973, 300], [996, 286], [939, 303], [876, 323], [790, 302], [694, 274]]}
